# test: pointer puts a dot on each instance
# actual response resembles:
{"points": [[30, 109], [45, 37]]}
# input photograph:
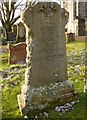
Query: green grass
{"points": [[10, 105], [75, 46], [15, 66], [3, 58], [76, 74], [73, 113]]}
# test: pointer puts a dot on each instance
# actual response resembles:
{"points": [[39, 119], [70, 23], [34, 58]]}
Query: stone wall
{"points": [[17, 53]]}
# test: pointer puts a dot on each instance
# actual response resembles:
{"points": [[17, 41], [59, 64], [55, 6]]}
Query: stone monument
{"points": [[14, 54], [11, 37], [46, 72], [20, 33]]}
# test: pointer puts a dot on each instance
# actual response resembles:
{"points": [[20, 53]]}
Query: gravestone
{"points": [[17, 53], [20, 32], [11, 37], [46, 72], [14, 29], [70, 37]]}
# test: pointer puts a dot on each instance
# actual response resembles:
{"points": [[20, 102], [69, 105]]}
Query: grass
{"points": [[75, 46], [76, 74], [4, 58]]}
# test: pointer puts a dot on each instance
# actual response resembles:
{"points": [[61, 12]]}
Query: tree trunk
{"points": [[8, 29], [7, 39]]}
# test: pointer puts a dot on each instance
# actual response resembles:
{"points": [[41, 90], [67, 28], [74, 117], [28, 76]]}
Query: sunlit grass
{"points": [[75, 46]]}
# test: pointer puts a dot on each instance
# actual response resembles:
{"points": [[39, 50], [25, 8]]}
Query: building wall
{"points": [[82, 9], [72, 25], [76, 24]]}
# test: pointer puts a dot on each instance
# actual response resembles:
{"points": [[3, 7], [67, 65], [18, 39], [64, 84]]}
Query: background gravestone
{"points": [[15, 55], [14, 29], [46, 73], [20, 33], [11, 37]]}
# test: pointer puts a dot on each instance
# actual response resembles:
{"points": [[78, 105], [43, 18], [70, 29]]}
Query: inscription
{"points": [[47, 57]]}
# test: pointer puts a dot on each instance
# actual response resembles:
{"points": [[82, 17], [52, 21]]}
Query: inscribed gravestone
{"points": [[46, 73], [48, 45]]}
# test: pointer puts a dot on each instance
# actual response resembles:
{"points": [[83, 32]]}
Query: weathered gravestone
{"points": [[17, 53], [46, 73]]}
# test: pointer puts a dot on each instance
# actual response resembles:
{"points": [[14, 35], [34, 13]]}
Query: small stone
{"points": [[25, 117], [57, 109], [70, 108], [62, 110], [76, 81], [77, 101], [61, 107], [66, 110], [12, 75], [19, 81], [2, 85], [16, 69], [16, 83], [46, 114], [66, 107], [6, 78], [36, 117], [68, 104], [73, 102], [60, 114]]}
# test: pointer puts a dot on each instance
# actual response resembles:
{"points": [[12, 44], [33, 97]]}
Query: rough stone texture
{"points": [[17, 53], [46, 73], [46, 47]]}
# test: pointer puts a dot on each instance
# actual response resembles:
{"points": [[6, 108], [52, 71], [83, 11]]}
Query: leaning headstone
{"points": [[46, 73]]}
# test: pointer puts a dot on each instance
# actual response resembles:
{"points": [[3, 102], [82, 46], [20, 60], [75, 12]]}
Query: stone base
{"points": [[21, 103], [40, 98]]}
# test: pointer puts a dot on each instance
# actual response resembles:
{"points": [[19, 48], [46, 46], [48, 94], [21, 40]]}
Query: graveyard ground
{"points": [[12, 78]]}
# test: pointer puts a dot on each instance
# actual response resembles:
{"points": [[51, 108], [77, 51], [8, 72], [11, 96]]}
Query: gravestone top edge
{"points": [[41, 7]]}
